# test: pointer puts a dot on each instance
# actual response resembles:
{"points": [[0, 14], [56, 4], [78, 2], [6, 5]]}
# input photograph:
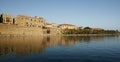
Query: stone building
{"points": [[21, 25], [7, 19], [51, 25], [97, 29], [67, 26], [26, 25], [28, 21], [22, 20]]}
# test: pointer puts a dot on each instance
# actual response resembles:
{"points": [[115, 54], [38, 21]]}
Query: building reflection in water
{"points": [[25, 45]]}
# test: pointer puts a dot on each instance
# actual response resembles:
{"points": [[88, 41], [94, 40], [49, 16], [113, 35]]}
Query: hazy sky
{"points": [[93, 13]]}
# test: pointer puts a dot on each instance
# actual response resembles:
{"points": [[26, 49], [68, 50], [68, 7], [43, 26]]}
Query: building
{"points": [[97, 29], [7, 19], [27, 21], [48, 25], [22, 20], [51, 25], [21, 25], [67, 26]]}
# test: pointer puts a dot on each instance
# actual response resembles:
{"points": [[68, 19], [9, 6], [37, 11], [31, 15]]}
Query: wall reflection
{"points": [[25, 45]]}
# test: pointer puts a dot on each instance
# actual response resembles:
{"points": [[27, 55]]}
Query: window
{"points": [[27, 23], [8, 19], [41, 21]]}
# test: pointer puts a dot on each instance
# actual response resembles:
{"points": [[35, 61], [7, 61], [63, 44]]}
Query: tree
{"points": [[87, 28]]}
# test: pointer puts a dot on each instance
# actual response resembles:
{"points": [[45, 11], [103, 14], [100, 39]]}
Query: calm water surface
{"points": [[60, 49]]}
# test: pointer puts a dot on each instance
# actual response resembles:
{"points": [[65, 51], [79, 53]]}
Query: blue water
{"points": [[60, 49]]}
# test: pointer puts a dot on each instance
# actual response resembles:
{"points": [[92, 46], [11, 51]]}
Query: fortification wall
{"points": [[6, 29]]}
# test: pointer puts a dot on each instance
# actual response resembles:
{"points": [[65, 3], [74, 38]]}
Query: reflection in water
{"points": [[25, 45]]}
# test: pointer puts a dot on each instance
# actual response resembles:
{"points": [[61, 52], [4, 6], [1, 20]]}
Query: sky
{"points": [[93, 13]]}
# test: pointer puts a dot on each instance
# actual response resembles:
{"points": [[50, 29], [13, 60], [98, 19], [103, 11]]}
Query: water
{"points": [[60, 49]]}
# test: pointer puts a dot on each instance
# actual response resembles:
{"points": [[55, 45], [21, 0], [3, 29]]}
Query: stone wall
{"points": [[18, 30], [52, 31]]}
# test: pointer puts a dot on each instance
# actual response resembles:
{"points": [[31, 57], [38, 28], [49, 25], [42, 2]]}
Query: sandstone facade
{"points": [[67, 26], [28, 21], [25, 25], [21, 25], [12, 30], [22, 20], [7, 19]]}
